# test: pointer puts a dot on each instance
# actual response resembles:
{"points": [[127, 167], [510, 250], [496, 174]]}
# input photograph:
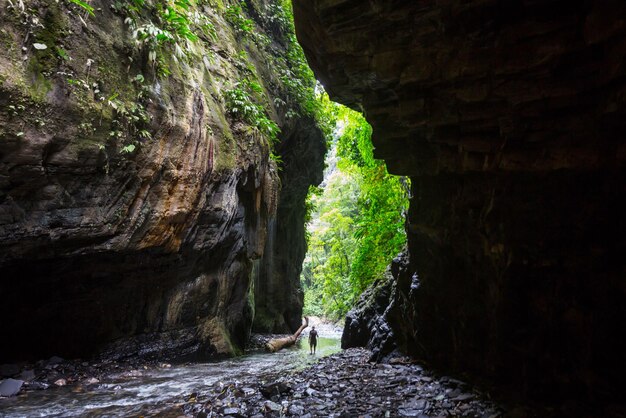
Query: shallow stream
{"points": [[146, 392]]}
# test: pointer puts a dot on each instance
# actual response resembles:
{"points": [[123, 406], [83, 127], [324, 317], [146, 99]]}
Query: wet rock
{"points": [[409, 412], [463, 397], [27, 375], [272, 406], [275, 389], [60, 382], [38, 385], [10, 387], [366, 323], [296, 410], [347, 385]]}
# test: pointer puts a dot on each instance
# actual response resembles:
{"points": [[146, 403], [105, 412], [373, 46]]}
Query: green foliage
{"points": [[279, 17], [235, 15], [304, 95], [166, 26], [241, 106], [62, 53], [84, 6], [313, 301], [130, 118], [357, 223]]}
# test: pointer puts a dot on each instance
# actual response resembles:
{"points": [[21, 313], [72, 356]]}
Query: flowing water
{"points": [[143, 392]]}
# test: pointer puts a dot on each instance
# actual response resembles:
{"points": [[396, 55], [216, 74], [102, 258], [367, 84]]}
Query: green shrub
{"points": [[236, 17], [241, 106]]}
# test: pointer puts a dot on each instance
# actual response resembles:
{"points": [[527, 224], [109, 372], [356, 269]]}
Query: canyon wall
{"points": [[278, 294], [134, 198], [509, 117]]}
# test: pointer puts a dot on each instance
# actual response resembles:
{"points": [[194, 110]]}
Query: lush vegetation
{"points": [[173, 35], [356, 227]]}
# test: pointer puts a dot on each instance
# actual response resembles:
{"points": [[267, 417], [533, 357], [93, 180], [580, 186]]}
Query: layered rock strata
{"points": [[278, 294], [509, 118], [134, 206]]}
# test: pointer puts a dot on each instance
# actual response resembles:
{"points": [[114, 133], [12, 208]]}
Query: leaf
{"points": [[84, 5], [62, 53], [40, 46], [128, 149]]}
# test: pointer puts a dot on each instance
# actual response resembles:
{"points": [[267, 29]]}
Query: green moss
{"points": [[217, 5], [39, 84], [109, 76], [7, 42], [44, 61], [264, 322], [226, 156], [50, 34]]}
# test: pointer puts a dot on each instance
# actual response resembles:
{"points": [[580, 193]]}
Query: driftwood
{"points": [[276, 344]]}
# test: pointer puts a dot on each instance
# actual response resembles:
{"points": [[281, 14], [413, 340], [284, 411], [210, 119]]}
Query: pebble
{"points": [[56, 371], [272, 406], [346, 385], [10, 387], [28, 375]]}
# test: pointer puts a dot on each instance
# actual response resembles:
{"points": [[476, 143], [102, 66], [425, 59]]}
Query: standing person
{"points": [[313, 340]]}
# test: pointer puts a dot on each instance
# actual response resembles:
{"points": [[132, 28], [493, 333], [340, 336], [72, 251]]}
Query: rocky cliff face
{"points": [[509, 118], [134, 201], [278, 294]]}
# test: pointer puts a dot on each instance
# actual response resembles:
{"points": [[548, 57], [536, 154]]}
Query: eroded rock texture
{"points": [[366, 324], [509, 118], [278, 294], [154, 247]]}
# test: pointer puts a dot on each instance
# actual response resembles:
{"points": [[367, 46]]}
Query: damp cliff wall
{"points": [[509, 118], [134, 197]]}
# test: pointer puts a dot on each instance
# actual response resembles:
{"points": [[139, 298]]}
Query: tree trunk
{"points": [[276, 344]]}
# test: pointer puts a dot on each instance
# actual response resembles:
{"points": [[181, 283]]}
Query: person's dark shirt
{"points": [[313, 336]]}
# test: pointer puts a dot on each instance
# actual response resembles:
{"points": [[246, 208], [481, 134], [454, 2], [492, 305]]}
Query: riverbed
{"points": [[289, 383], [160, 389]]}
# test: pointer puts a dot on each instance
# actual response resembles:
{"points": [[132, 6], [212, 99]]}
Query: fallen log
{"points": [[276, 344]]}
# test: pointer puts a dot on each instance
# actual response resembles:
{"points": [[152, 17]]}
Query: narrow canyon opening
{"points": [[180, 179]]}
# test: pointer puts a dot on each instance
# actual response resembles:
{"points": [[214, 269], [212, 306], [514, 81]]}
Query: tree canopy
{"points": [[357, 223]]}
